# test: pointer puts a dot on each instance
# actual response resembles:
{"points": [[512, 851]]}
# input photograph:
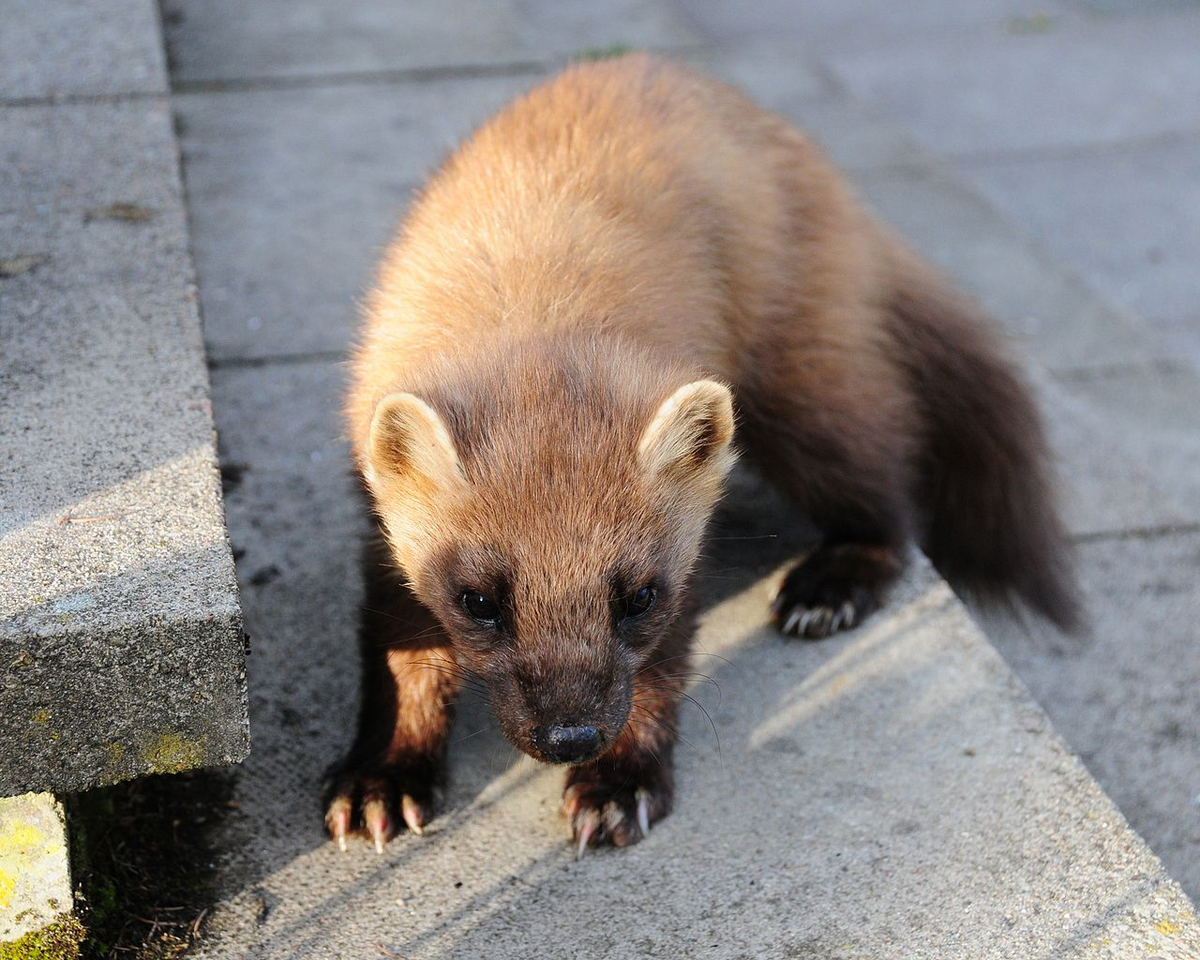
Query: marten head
{"points": [[547, 505]]}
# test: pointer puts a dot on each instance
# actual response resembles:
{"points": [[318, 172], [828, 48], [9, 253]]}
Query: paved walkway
{"points": [[1045, 154]]}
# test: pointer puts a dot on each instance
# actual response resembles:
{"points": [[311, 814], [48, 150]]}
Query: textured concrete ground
{"points": [[1002, 139], [121, 650]]}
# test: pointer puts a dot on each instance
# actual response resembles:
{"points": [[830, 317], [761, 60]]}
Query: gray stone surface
{"points": [[53, 48], [120, 640], [1125, 697], [293, 193], [1075, 82], [1050, 315], [230, 40], [892, 793], [1106, 488], [1156, 415], [1124, 219]]}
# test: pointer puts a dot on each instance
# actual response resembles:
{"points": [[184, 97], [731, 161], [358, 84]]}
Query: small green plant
{"points": [[604, 53], [59, 941]]}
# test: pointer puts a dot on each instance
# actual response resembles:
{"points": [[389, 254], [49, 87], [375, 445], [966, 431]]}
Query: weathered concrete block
{"points": [[53, 48], [1124, 697], [121, 649], [36, 900]]}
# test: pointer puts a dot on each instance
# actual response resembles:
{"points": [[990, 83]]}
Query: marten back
{"points": [[633, 198]]}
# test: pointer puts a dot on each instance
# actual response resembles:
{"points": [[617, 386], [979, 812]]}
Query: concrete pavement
{"points": [[891, 793], [121, 650]]}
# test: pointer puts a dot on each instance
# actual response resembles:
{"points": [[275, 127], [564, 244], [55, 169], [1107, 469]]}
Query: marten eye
{"points": [[479, 608], [639, 602]]}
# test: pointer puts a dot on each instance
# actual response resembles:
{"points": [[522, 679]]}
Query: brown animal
{"points": [[584, 300]]}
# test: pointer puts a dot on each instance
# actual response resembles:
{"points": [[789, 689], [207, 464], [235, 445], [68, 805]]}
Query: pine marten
{"points": [[585, 299]]}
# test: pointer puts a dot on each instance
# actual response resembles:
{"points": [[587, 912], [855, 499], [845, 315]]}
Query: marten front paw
{"points": [[835, 588], [610, 807], [376, 798]]}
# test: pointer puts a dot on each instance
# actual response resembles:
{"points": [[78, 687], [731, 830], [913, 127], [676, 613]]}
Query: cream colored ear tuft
{"points": [[409, 443], [691, 432]]}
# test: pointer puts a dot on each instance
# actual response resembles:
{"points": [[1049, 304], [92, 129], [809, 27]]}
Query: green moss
{"points": [[41, 716], [114, 753], [172, 753], [59, 941], [604, 53]]}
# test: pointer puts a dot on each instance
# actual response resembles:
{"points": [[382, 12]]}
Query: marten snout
{"points": [[567, 744]]}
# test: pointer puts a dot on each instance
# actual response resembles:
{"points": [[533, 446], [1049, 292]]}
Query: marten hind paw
{"points": [[617, 811], [378, 800], [835, 588]]}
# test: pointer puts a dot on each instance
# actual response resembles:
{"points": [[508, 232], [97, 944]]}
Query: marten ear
{"points": [[410, 445], [690, 434]]}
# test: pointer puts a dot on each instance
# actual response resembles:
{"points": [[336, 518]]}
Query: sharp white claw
{"points": [[643, 812], [341, 842], [587, 826], [411, 813], [805, 620], [792, 620], [378, 843]]}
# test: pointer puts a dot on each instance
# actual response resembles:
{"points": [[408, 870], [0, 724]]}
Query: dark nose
{"points": [[567, 744]]}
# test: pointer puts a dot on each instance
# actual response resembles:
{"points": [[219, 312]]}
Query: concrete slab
{"points": [[1122, 219], [835, 816], [293, 192], [1049, 314], [1156, 418], [281, 39], [1125, 698], [1106, 488], [81, 48], [1075, 82], [35, 869], [120, 641]]}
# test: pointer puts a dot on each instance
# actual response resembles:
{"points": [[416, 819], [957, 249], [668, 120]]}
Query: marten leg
{"points": [[839, 445], [616, 798], [395, 767]]}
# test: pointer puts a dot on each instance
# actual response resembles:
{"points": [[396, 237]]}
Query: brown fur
{"points": [[537, 407]]}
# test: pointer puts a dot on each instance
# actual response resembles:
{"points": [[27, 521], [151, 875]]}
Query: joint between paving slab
{"points": [[1137, 533], [278, 359], [1156, 365], [364, 77], [430, 74], [1069, 151], [68, 99]]}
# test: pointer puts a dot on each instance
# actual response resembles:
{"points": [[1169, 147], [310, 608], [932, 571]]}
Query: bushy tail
{"points": [[989, 518]]}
